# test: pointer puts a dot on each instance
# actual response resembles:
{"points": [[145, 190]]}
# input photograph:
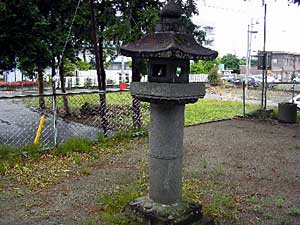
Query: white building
{"points": [[13, 75], [118, 72]]}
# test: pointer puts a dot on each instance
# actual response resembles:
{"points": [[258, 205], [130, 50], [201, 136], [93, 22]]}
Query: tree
{"points": [[231, 62], [69, 68], [82, 65], [204, 67], [24, 31]]}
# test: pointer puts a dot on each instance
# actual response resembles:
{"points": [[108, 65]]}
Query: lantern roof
{"points": [[170, 40], [171, 9]]}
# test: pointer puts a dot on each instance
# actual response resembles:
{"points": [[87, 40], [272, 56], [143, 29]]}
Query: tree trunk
{"points": [[41, 87], [98, 48], [63, 86], [136, 74], [84, 54]]}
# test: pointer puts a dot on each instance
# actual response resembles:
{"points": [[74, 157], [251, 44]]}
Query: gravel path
{"points": [[260, 159]]}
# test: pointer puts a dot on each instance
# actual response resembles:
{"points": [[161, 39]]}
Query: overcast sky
{"points": [[231, 17]]}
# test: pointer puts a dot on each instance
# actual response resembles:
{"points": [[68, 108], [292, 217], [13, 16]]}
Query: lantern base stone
{"points": [[146, 211], [168, 93]]}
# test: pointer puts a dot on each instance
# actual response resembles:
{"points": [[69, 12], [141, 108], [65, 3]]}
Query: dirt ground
{"points": [[256, 162]]}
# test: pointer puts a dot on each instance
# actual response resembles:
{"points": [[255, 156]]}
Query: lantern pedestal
{"points": [[146, 211]]}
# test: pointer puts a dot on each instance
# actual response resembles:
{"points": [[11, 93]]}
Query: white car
{"points": [[296, 100], [296, 79]]}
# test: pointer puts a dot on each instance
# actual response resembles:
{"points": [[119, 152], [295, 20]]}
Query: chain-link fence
{"points": [[252, 95], [83, 114]]}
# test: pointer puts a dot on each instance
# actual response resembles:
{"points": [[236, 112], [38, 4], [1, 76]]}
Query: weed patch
{"points": [[114, 203], [294, 211], [216, 204], [75, 144]]}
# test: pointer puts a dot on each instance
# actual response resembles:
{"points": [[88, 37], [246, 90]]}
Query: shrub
{"points": [[214, 77]]}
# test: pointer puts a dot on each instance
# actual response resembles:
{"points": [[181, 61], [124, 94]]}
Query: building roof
{"points": [[285, 53]]}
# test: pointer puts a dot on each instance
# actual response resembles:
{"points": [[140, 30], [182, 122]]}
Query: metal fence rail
{"points": [[68, 115], [276, 93]]}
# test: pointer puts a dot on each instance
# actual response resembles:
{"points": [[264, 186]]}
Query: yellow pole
{"points": [[39, 131]]}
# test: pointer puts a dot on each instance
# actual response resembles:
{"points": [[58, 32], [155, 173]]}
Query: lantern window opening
{"points": [[179, 71], [159, 70]]}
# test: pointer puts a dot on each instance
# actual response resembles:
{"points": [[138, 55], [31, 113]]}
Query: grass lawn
{"points": [[204, 110]]}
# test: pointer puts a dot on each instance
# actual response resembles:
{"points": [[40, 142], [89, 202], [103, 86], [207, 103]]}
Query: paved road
{"points": [[18, 125]]}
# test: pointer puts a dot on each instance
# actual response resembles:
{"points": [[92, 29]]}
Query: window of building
{"points": [[115, 66], [286, 62], [274, 61]]}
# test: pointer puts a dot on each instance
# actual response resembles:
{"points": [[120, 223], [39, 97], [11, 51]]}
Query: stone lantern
{"points": [[168, 52]]}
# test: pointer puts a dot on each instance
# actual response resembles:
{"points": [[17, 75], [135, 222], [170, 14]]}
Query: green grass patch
{"points": [[9, 152], [75, 102], [108, 142], [115, 202], [206, 110], [74, 144]]}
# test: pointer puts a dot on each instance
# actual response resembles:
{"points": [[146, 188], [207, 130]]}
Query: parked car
{"points": [[296, 80], [227, 80], [250, 81], [296, 101]]}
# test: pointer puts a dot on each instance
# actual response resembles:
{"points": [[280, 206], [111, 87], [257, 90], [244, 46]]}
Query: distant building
{"points": [[253, 70], [285, 65]]}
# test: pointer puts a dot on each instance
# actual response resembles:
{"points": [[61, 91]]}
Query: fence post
{"points": [[244, 99], [54, 108], [103, 115], [136, 107]]}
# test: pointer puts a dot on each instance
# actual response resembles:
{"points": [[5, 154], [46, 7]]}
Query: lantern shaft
{"points": [[166, 152]]}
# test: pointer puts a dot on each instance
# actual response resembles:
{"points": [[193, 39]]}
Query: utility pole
{"points": [[250, 31], [264, 74], [248, 49]]}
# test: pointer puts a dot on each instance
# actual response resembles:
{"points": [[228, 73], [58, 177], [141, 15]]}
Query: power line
{"points": [[221, 8], [69, 33]]}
